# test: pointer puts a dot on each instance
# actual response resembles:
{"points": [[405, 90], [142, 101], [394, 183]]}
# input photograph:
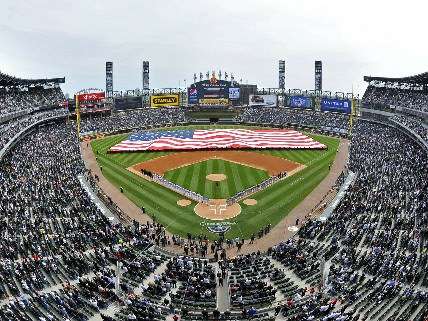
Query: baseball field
{"points": [[217, 177]]}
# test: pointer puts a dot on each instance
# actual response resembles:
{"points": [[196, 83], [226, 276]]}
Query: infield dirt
{"points": [[217, 210], [271, 164], [216, 177]]}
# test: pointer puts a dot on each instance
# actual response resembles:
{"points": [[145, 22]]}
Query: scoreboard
{"points": [[213, 92]]}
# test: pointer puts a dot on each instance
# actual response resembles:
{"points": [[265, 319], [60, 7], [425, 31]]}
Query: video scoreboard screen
{"points": [[336, 105], [213, 92], [300, 102]]}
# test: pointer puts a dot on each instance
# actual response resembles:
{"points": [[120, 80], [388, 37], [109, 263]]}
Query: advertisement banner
{"points": [[300, 102], [234, 93], [214, 101], [263, 100], [192, 96], [91, 97], [164, 100], [336, 105]]}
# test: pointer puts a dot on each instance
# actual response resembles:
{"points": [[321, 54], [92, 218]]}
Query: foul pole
{"points": [[77, 115], [350, 117]]}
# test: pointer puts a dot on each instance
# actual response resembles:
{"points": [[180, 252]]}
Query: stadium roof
{"points": [[421, 79], [6, 80]]}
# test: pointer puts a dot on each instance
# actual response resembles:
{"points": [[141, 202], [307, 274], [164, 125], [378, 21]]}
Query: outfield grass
{"points": [[274, 203]]}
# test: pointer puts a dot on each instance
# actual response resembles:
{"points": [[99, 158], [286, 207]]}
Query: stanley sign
{"points": [[164, 101]]}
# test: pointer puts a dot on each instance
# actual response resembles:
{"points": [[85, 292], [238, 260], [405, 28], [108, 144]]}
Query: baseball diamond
{"points": [[242, 170]]}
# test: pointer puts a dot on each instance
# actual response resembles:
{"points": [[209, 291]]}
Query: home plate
{"points": [[293, 228]]}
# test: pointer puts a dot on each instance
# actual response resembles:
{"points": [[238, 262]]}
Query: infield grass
{"points": [[274, 203], [238, 178]]}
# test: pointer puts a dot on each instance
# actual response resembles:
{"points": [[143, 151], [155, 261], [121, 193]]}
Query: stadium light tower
{"points": [[145, 82], [318, 75], [281, 74]]}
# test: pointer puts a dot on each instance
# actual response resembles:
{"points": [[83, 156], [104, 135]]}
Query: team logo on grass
{"points": [[218, 227]]}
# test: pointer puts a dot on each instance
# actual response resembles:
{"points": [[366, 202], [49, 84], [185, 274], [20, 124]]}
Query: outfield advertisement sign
{"points": [[300, 102], [164, 101], [192, 94], [336, 105], [263, 100], [92, 96]]}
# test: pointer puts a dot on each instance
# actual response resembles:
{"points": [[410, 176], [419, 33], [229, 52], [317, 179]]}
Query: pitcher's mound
{"points": [[183, 203], [250, 202], [216, 177], [217, 210]]}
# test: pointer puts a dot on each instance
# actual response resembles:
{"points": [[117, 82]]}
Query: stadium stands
{"points": [[326, 122], [18, 94], [59, 253], [413, 123], [12, 127], [133, 120], [17, 100], [391, 93], [392, 97]]}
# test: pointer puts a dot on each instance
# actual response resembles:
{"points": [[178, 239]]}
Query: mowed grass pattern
{"points": [[238, 177], [273, 204]]}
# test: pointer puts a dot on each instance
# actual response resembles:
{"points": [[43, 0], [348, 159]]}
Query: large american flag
{"points": [[216, 139]]}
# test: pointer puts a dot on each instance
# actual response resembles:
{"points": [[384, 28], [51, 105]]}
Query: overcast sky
{"points": [[74, 38]]}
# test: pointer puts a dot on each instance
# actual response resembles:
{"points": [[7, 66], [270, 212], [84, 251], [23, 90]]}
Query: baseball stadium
{"points": [[219, 198]]}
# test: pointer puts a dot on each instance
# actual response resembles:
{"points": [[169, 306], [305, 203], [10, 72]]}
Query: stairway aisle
{"points": [[223, 299]]}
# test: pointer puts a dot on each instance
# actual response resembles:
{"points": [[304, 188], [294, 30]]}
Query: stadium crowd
{"points": [[382, 97], [328, 122], [59, 253], [413, 123], [12, 127], [133, 120], [13, 100], [374, 241]]}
